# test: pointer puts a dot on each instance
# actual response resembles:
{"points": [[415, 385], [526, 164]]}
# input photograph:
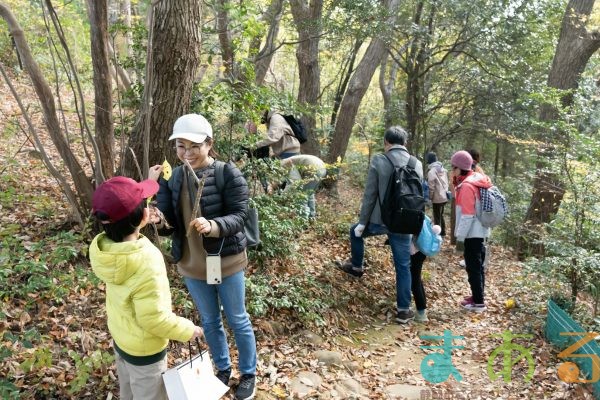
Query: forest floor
{"points": [[55, 345], [370, 356]]}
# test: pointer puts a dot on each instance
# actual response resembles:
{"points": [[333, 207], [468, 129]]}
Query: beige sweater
{"points": [[279, 136], [193, 261]]}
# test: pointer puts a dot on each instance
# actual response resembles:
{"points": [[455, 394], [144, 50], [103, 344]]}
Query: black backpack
{"points": [[403, 207], [297, 128]]}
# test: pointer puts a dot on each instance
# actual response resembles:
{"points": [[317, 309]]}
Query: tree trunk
{"points": [[126, 13], [307, 18], [573, 51], [105, 137], [174, 60], [225, 39], [81, 182], [417, 64], [262, 61], [387, 87], [345, 75], [357, 88]]}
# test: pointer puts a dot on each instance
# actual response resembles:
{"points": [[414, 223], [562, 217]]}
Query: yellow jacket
{"points": [[138, 297]]}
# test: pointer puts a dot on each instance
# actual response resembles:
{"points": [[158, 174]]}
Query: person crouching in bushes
{"points": [[468, 228], [311, 170], [138, 297]]}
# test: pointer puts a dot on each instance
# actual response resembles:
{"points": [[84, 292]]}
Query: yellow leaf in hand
{"points": [[166, 170]]}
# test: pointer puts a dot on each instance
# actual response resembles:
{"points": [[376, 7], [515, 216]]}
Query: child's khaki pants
{"points": [[141, 382]]}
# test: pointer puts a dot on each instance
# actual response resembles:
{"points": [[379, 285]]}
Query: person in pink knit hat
{"points": [[468, 228]]}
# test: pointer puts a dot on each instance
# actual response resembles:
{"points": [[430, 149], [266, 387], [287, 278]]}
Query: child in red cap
{"points": [[138, 297]]}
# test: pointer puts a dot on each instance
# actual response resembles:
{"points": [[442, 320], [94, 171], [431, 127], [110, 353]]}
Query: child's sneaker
{"points": [[467, 300], [478, 308], [421, 316]]}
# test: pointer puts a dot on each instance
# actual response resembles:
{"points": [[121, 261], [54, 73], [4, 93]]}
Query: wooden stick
{"points": [[200, 183], [137, 165]]}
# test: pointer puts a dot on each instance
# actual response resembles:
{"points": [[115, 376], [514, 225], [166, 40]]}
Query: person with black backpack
{"points": [[280, 136], [392, 205]]}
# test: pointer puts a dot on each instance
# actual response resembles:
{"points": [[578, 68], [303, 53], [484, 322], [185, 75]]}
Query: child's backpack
{"points": [[428, 242], [403, 207], [297, 128], [493, 207]]}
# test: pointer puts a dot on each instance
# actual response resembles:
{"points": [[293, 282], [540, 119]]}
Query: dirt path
{"points": [[367, 355]]}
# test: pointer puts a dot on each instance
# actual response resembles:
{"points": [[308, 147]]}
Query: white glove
{"points": [[358, 231]]}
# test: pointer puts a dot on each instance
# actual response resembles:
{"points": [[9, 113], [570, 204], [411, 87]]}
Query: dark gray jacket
{"points": [[379, 174], [228, 209]]}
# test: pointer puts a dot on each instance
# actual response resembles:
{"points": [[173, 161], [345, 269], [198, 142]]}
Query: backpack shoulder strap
{"points": [[412, 162], [219, 175], [389, 159]]}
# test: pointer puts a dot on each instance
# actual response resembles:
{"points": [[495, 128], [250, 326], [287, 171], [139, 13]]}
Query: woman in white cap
{"points": [[212, 255]]}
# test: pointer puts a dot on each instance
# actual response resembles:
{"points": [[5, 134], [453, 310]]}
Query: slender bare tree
{"points": [[359, 83], [104, 129]]}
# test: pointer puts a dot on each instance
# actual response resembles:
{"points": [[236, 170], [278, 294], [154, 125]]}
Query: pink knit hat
{"points": [[462, 159]]}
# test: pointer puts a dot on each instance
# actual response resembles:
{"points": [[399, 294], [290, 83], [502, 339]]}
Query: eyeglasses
{"points": [[193, 149]]}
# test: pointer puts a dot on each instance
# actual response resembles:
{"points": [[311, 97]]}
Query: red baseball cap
{"points": [[119, 196]]}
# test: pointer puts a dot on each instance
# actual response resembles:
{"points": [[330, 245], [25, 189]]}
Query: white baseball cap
{"points": [[193, 127]]}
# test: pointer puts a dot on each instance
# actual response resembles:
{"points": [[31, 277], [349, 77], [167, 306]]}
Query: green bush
{"points": [[303, 295]]}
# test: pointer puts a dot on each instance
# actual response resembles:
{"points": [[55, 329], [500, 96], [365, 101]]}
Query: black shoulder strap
{"points": [[412, 161], [219, 175]]}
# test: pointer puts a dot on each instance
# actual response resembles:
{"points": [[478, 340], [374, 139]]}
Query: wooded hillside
{"points": [[91, 89]]}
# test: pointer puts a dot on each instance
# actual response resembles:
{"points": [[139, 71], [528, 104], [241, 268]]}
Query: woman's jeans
{"points": [[474, 256], [400, 245], [231, 295]]}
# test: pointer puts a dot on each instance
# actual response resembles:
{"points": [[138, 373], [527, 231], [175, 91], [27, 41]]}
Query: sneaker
{"points": [[421, 316], [478, 308], [224, 376], [247, 387], [350, 269], [467, 300], [463, 264], [404, 317]]}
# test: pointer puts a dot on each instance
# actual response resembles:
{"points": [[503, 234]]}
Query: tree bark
{"points": [[357, 88], [104, 129], [175, 55], [81, 182], [225, 39], [418, 59], [345, 75], [307, 17], [387, 86], [574, 48], [263, 59]]}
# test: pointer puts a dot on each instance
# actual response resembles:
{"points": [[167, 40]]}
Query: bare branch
{"points": [[40, 147]]}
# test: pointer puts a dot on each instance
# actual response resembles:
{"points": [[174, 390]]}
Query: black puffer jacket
{"points": [[228, 209]]}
